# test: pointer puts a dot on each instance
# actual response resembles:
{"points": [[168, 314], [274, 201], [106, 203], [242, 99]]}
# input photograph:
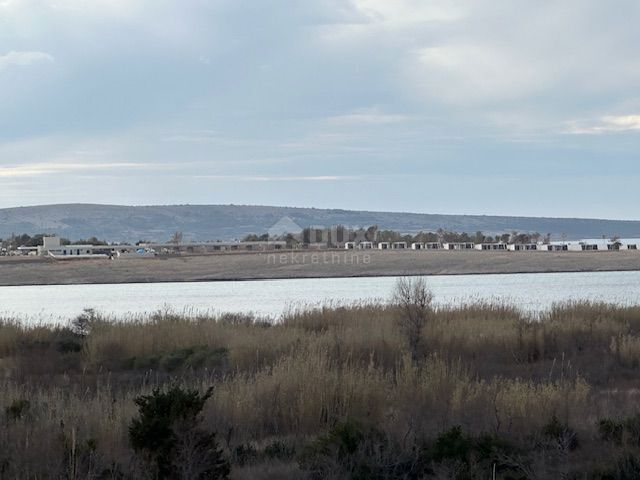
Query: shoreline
{"points": [[275, 279], [246, 267]]}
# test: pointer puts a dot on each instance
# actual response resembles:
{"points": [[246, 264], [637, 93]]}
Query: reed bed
{"points": [[488, 368]]}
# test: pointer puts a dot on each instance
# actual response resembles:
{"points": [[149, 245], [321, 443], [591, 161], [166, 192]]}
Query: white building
{"points": [[458, 246], [350, 245], [491, 246], [553, 247], [629, 243], [365, 245], [590, 244], [399, 245], [522, 247], [417, 246], [51, 247], [383, 246]]}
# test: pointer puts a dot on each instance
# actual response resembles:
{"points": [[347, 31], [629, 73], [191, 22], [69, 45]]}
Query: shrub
{"points": [[350, 451], [18, 409], [632, 429], [279, 450], [168, 436], [193, 357], [81, 325], [559, 435], [467, 457], [244, 454], [611, 430], [452, 445], [413, 299], [174, 360]]}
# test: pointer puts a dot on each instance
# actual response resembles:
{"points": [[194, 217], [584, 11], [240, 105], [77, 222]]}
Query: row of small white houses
{"points": [[575, 246]]}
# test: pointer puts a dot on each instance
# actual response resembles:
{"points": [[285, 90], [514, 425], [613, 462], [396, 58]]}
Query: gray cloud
{"points": [[447, 105]]}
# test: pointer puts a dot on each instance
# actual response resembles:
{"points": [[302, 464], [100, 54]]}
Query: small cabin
{"points": [[522, 247], [491, 246], [417, 246], [399, 245], [629, 243], [384, 246], [432, 246], [349, 245], [458, 246], [553, 247], [365, 245]]}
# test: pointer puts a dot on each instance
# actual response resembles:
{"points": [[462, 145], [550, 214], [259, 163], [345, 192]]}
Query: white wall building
{"points": [[458, 246], [491, 246], [399, 245], [383, 246], [553, 247], [590, 244], [629, 244], [417, 246], [522, 247]]}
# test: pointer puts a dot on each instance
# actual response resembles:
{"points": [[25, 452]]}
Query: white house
{"points": [[522, 247], [458, 246], [432, 246], [417, 246], [399, 245], [629, 243], [553, 247], [365, 245], [590, 244], [491, 246], [350, 245], [51, 247], [383, 246]]}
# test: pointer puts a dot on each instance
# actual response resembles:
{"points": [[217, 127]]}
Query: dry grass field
{"points": [[335, 393], [303, 264]]}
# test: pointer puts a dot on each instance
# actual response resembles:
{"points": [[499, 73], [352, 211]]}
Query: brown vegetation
{"points": [[333, 392]]}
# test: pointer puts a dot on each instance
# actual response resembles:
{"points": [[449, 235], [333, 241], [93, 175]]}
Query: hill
{"points": [[226, 222]]}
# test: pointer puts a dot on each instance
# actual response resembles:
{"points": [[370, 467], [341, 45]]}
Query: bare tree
{"points": [[176, 238], [413, 299]]}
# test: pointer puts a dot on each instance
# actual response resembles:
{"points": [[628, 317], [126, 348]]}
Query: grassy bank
{"points": [[335, 393]]}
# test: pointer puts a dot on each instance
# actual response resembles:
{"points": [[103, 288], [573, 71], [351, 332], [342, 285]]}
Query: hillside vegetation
{"points": [[227, 222]]}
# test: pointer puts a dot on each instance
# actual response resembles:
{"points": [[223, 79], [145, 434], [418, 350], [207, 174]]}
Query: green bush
{"points": [[168, 437], [279, 450], [174, 360], [193, 357], [351, 451], [452, 445], [467, 457], [611, 430], [559, 435], [632, 429], [18, 409], [244, 454]]}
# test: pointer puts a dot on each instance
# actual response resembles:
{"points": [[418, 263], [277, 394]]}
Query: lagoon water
{"points": [[270, 298]]}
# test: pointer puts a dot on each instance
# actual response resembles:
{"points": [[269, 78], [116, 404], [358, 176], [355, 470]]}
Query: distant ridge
{"points": [[227, 222]]}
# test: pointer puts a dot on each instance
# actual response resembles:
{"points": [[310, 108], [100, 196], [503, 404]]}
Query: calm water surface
{"points": [[531, 292]]}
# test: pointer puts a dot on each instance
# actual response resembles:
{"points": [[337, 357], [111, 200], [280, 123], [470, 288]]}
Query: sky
{"points": [[497, 107]]}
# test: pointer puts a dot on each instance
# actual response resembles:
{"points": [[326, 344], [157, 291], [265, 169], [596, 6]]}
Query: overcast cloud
{"points": [[477, 106]]}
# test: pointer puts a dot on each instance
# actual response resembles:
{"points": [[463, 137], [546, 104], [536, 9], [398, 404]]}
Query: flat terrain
{"points": [[250, 266]]}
